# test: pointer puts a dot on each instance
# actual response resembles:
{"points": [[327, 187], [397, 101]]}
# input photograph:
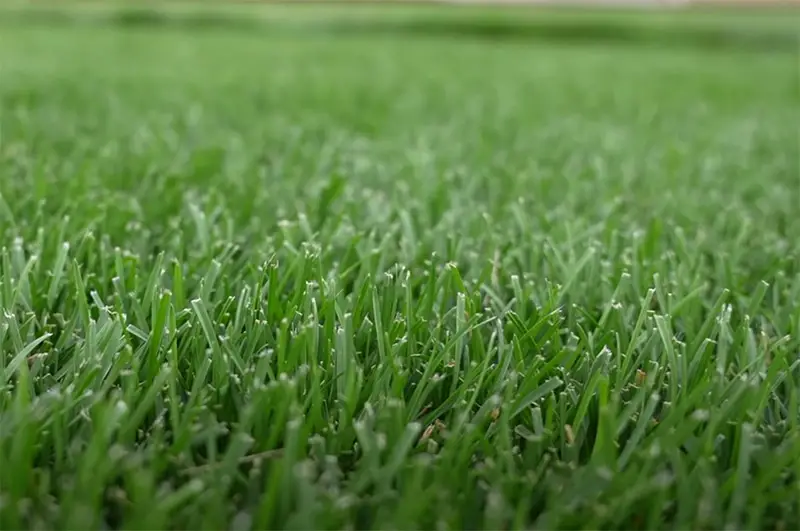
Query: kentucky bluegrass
{"points": [[254, 280]]}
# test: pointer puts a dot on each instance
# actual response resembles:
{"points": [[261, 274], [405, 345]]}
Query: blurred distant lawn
{"points": [[703, 25]]}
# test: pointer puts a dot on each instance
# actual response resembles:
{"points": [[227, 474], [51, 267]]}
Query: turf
{"points": [[426, 279]]}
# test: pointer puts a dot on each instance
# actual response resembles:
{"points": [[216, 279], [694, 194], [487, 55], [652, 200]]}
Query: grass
{"points": [[286, 279]]}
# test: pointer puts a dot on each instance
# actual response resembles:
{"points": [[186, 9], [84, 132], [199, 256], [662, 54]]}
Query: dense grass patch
{"points": [[277, 279]]}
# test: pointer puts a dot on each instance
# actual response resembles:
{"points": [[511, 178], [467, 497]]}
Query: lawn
{"points": [[424, 268]]}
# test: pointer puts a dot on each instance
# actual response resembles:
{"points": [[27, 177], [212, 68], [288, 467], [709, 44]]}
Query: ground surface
{"points": [[415, 278]]}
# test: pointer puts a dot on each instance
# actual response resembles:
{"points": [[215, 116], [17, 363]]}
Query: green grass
{"points": [[287, 279]]}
